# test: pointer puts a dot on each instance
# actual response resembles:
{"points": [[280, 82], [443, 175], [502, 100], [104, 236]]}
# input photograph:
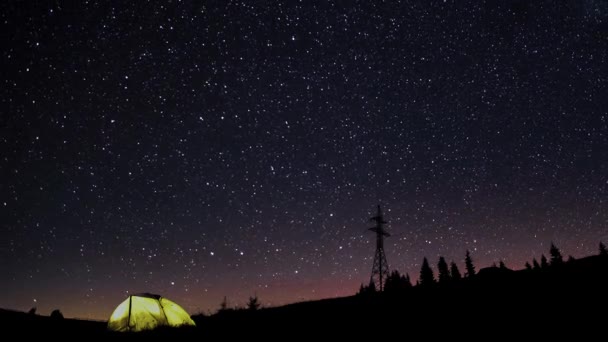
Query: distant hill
{"points": [[565, 296], [569, 297], [31, 324]]}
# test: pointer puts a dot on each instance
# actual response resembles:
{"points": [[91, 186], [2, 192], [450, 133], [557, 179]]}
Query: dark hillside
{"points": [[572, 297]]}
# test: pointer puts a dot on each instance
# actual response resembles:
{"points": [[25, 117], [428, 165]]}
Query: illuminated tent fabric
{"points": [[147, 311]]}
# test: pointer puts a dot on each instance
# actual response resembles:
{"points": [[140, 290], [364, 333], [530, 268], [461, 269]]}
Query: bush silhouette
{"points": [[56, 314]]}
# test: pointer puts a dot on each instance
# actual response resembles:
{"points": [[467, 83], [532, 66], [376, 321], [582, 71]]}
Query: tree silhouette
{"points": [[536, 264], [444, 271], [528, 266], [365, 290], [408, 282], [224, 304], [543, 261], [395, 282], [371, 288], [455, 272], [56, 314], [571, 258], [556, 256], [603, 250], [427, 278], [404, 281], [253, 303], [32, 311], [391, 282], [468, 264], [502, 265]]}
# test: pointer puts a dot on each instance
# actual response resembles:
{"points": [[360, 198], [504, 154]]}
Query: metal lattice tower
{"points": [[380, 268]]}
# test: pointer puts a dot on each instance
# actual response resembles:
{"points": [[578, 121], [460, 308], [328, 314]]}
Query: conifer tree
{"points": [[253, 303], [397, 283], [468, 264], [224, 304], [571, 258], [408, 281], [556, 256], [371, 287], [455, 272], [543, 262], [444, 271], [427, 278]]}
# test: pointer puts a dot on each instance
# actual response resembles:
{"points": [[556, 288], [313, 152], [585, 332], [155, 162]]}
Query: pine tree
{"points": [[408, 281], [427, 278], [371, 288], [366, 290], [390, 283], [571, 259], [603, 250], [444, 271], [502, 265], [253, 303], [556, 256], [224, 304], [455, 272], [468, 264], [535, 264], [528, 266], [543, 261], [396, 283]]}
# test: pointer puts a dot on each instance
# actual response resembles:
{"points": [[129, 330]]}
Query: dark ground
{"points": [[570, 302]]}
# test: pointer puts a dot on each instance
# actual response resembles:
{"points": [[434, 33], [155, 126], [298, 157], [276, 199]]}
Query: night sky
{"points": [[228, 148]]}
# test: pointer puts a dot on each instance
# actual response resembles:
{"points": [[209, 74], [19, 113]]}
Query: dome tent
{"points": [[147, 311]]}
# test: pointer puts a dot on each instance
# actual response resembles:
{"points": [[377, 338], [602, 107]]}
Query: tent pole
{"points": [[129, 320], [162, 309]]}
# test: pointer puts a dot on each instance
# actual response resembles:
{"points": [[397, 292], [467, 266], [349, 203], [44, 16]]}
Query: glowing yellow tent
{"points": [[147, 311]]}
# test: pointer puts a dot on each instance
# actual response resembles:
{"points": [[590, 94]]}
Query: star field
{"points": [[232, 148]]}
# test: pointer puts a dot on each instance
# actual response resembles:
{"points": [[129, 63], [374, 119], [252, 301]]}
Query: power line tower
{"points": [[380, 268]]}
